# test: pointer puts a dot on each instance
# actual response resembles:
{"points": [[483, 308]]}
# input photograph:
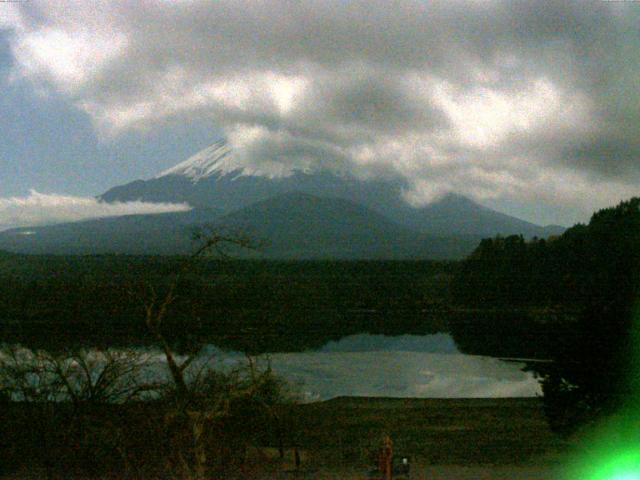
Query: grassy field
{"points": [[433, 431], [445, 439]]}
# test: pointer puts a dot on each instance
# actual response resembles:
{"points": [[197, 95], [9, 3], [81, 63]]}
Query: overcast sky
{"points": [[529, 107]]}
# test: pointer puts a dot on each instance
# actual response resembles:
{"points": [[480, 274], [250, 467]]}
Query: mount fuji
{"points": [[300, 213], [212, 179]]}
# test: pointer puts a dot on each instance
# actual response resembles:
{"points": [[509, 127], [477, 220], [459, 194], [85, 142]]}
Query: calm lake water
{"points": [[419, 366], [425, 366]]}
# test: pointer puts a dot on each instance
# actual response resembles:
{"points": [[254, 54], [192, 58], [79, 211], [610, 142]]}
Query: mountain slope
{"points": [[212, 178], [459, 214], [292, 225], [301, 213], [298, 225], [162, 234]]}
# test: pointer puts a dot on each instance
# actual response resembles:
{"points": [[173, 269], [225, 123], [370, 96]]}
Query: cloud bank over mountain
{"points": [[499, 100], [43, 209]]}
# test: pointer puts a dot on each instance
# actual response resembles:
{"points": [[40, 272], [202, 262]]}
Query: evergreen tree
{"points": [[594, 373]]}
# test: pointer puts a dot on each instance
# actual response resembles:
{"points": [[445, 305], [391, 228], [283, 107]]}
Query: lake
{"points": [[418, 366], [415, 366]]}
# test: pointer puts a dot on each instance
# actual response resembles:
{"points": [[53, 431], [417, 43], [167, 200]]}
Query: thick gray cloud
{"points": [[505, 101]]}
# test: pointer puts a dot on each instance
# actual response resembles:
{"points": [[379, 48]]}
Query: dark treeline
{"points": [[521, 298], [509, 271], [574, 298], [580, 266], [250, 305]]}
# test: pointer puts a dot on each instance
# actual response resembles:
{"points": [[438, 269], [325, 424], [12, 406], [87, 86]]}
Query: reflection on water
{"points": [[403, 374], [364, 342], [421, 366], [427, 366]]}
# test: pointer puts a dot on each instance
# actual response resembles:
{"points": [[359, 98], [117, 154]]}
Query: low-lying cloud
{"points": [[488, 99], [45, 209]]}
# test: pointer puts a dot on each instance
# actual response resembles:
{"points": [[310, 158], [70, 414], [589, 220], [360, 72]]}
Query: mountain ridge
{"points": [[300, 213], [294, 226], [211, 178]]}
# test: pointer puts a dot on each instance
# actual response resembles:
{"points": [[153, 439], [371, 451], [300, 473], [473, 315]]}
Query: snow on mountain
{"points": [[227, 181], [213, 160], [218, 160]]}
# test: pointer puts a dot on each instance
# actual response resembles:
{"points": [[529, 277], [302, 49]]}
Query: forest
{"points": [[576, 295], [247, 305]]}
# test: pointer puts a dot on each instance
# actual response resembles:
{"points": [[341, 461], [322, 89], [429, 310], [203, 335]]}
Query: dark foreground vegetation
{"points": [[576, 296], [253, 306], [86, 415], [334, 439]]}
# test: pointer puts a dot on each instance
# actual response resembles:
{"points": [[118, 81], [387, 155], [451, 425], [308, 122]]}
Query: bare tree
{"points": [[80, 376], [198, 405], [157, 306], [43, 385]]}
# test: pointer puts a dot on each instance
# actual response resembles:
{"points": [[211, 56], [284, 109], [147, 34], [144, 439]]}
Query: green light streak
{"points": [[607, 465], [611, 450], [625, 466]]}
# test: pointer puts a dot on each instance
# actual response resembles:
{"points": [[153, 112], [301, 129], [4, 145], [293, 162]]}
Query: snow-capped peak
{"points": [[218, 159], [210, 161]]}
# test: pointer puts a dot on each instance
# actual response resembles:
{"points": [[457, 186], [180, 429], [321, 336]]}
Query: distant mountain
{"points": [[162, 234], [212, 178], [459, 214], [299, 225], [301, 213], [292, 225]]}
